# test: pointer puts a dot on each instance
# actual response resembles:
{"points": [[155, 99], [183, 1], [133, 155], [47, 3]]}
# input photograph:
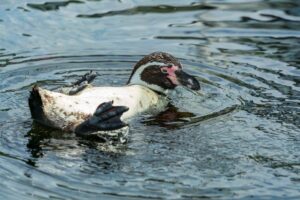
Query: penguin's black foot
{"points": [[82, 83], [105, 120]]}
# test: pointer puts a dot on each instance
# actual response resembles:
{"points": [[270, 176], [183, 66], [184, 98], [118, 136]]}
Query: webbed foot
{"points": [[106, 118]]}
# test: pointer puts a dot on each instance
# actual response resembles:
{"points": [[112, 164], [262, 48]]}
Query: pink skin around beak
{"points": [[171, 74], [178, 77]]}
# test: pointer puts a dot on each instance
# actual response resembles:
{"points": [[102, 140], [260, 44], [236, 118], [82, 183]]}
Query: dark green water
{"points": [[239, 141]]}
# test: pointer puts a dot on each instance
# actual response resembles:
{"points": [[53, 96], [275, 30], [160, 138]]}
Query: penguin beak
{"points": [[187, 80], [178, 77]]}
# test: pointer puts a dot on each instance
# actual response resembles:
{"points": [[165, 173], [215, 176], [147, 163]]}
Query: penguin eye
{"points": [[164, 71]]}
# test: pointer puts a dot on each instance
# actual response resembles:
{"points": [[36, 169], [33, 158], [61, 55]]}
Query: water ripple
{"points": [[49, 6], [150, 9], [238, 140]]}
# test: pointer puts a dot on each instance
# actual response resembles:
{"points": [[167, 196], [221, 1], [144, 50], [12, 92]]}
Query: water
{"points": [[241, 140]]}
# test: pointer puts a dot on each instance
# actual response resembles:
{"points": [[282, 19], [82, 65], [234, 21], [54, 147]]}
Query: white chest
{"points": [[137, 98], [68, 111]]}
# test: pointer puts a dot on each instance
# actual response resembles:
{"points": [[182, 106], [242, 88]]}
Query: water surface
{"points": [[241, 140]]}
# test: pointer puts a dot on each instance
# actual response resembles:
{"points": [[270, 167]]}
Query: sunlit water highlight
{"points": [[239, 140]]}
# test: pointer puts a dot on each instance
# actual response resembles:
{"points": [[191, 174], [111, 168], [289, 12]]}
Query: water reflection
{"points": [[43, 141], [150, 9], [49, 6], [239, 141]]}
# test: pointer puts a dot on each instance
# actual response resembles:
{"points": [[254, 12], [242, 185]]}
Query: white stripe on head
{"points": [[136, 77]]}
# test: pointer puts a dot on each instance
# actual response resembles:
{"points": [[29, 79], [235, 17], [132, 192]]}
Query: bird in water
{"points": [[104, 111]]}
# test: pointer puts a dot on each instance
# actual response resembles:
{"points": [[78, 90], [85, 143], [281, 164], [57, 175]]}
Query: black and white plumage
{"points": [[87, 110]]}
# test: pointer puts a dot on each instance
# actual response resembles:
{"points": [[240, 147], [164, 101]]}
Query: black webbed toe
{"points": [[106, 118]]}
